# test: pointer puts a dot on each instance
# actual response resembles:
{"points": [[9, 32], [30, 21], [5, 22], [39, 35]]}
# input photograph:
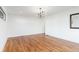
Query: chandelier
{"points": [[41, 13]]}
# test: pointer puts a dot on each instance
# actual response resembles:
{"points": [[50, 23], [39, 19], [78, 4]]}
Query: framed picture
{"points": [[2, 14], [74, 21]]}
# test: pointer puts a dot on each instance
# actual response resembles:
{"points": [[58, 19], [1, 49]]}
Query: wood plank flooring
{"points": [[39, 43]]}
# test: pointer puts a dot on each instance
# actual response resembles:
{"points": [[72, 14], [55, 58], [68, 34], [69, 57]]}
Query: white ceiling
{"points": [[33, 10]]}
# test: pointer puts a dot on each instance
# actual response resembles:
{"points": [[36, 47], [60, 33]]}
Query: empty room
{"points": [[39, 28]]}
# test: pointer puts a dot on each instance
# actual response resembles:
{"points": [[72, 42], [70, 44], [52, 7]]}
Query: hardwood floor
{"points": [[39, 43]]}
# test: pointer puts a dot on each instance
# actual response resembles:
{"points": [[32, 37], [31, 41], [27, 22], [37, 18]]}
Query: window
{"points": [[74, 21]]}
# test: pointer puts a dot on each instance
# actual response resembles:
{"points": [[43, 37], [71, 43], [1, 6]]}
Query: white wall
{"points": [[58, 25], [21, 25], [3, 35]]}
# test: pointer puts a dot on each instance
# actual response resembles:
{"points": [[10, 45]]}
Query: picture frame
{"points": [[74, 21], [2, 14]]}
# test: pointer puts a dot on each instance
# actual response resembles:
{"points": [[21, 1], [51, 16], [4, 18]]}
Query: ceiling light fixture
{"points": [[41, 13]]}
